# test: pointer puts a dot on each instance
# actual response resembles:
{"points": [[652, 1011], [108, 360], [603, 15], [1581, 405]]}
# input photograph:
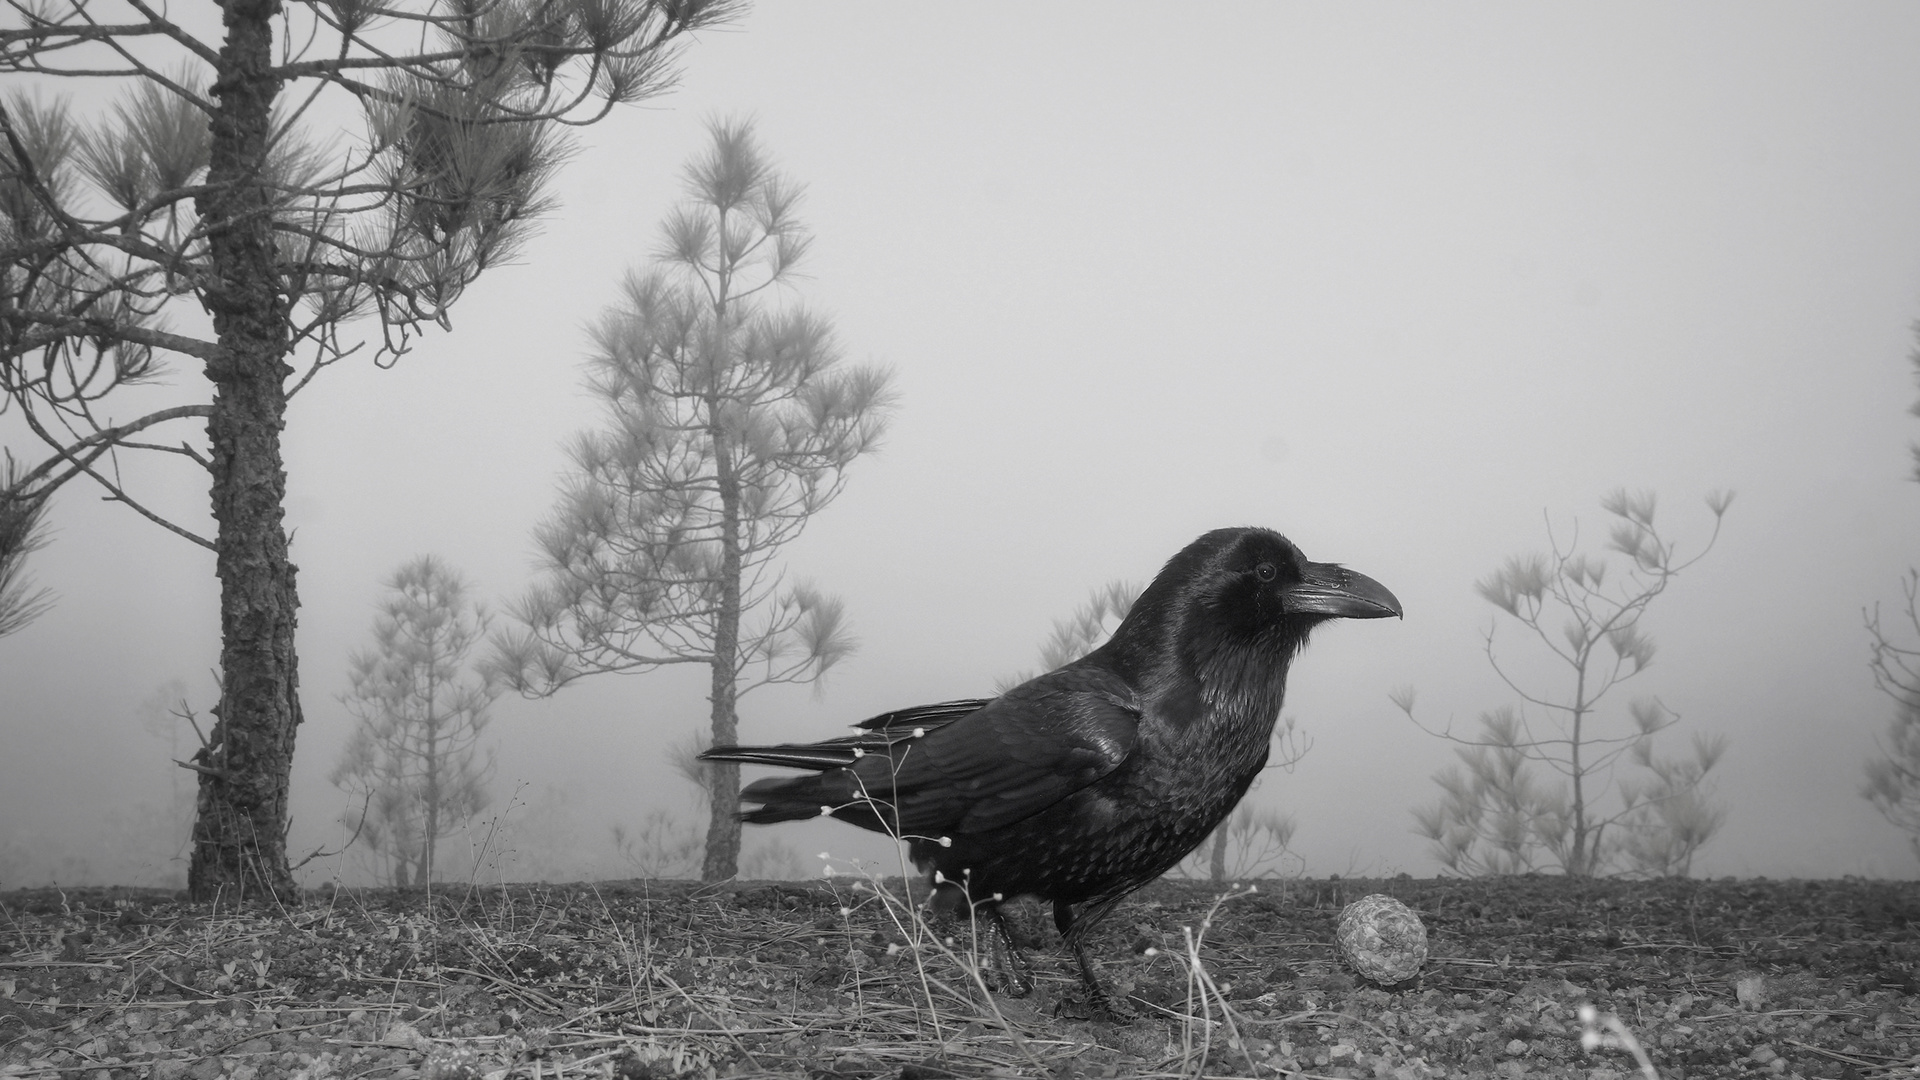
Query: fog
{"points": [[1407, 283]]}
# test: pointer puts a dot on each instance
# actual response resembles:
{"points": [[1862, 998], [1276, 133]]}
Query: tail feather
{"points": [[881, 733], [796, 798], [830, 787], [784, 798], [792, 756], [924, 716]]}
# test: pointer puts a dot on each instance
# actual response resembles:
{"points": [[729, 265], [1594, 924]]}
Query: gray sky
{"points": [[1395, 280]]}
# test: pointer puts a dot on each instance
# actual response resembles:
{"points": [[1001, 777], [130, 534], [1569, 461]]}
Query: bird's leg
{"points": [[1099, 995], [949, 899], [1075, 929], [1007, 958]]}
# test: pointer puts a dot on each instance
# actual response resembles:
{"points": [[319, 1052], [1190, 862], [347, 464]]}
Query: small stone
{"points": [[405, 1034]]}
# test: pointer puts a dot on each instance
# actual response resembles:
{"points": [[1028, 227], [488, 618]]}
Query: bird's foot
{"points": [[1100, 1005], [1016, 975], [1014, 981], [1114, 1006], [1102, 1002]]}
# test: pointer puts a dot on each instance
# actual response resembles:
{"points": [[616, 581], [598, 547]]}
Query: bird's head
{"points": [[1247, 589]]}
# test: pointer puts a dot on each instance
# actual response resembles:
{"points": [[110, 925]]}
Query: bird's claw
{"points": [[1116, 1009], [1101, 1005], [1014, 982], [1016, 975]]}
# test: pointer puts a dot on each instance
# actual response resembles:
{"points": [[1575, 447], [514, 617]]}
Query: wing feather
{"points": [[882, 732], [1010, 759]]}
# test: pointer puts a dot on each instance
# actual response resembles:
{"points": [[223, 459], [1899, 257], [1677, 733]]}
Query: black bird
{"points": [[1085, 783]]}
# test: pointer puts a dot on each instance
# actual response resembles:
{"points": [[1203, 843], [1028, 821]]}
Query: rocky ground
{"points": [[833, 980]]}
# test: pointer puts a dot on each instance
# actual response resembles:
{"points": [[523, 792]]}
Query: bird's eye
{"points": [[1265, 572]]}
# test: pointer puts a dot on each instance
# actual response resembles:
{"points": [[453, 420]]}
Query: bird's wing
{"points": [[923, 716], [880, 733], [1012, 758]]}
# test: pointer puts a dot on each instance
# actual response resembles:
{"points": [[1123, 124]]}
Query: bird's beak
{"points": [[1340, 593]]}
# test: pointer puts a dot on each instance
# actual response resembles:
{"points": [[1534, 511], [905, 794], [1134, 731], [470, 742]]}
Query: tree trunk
{"points": [[723, 826], [1217, 864], [723, 823], [430, 841], [239, 834]]}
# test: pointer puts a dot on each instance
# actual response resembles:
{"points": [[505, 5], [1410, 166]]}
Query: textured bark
{"points": [[723, 828], [239, 833]]}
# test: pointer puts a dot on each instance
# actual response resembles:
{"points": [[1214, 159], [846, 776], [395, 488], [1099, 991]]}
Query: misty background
{"points": [[1403, 283]]}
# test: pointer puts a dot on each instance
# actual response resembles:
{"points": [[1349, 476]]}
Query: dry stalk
{"points": [[1202, 988], [1600, 1030], [909, 921]]}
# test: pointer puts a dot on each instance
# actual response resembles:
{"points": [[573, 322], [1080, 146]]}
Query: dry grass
{"points": [[842, 979]]}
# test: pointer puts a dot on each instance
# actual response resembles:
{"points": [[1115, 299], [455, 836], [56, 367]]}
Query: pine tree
{"points": [[211, 191], [1497, 814], [729, 424], [1893, 778], [413, 758]]}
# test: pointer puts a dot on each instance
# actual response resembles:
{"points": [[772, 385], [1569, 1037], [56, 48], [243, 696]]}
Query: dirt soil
{"points": [[832, 980]]}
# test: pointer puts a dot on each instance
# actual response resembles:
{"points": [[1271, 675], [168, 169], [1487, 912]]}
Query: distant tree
{"points": [[684, 756], [212, 179], [1673, 816], [1893, 778], [1255, 839], [730, 423], [1913, 358], [1090, 625], [413, 760], [167, 714], [661, 847], [1249, 844], [1499, 816], [22, 532], [539, 837], [774, 860]]}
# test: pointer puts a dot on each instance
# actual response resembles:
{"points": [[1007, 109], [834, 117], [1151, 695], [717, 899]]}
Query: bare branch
{"points": [[1495, 817]]}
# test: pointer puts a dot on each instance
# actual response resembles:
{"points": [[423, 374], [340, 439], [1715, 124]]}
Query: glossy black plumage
{"points": [[1085, 783]]}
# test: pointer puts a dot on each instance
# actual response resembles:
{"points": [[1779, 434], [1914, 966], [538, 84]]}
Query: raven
{"points": [[1085, 783]]}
